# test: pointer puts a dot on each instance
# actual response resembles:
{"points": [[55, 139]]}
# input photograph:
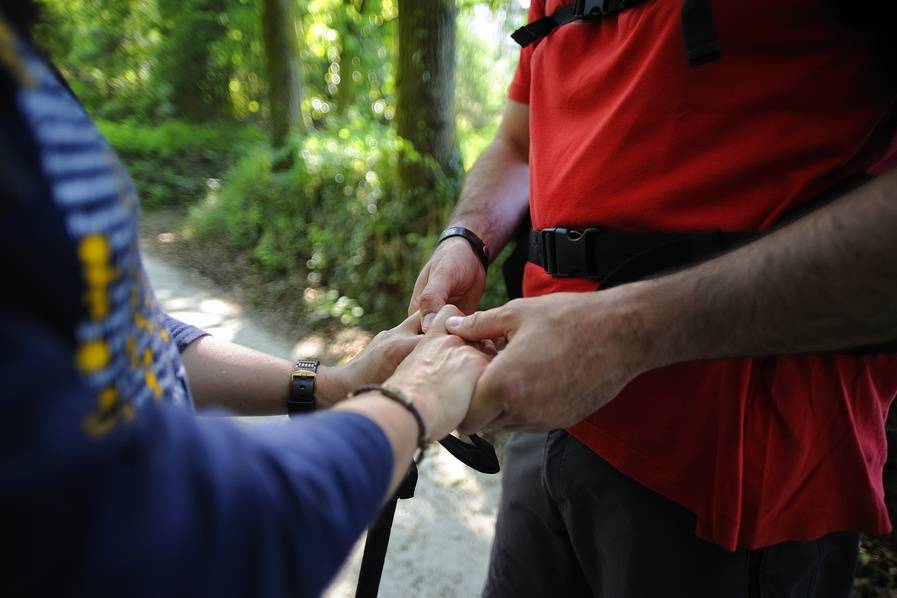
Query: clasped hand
{"points": [[566, 355]]}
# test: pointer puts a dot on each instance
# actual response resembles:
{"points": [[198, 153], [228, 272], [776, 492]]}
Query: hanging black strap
{"points": [[699, 29], [478, 454], [698, 25], [378, 539], [540, 28]]}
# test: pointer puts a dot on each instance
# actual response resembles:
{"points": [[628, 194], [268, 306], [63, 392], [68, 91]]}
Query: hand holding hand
{"points": [[454, 275], [568, 354], [373, 365], [439, 376]]}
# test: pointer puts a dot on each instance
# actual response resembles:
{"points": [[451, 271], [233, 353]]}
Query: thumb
{"points": [[411, 324], [482, 325], [433, 298], [437, 325]]}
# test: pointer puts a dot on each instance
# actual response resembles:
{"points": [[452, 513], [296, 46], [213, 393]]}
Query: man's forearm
{"points": [[496, 190], [827, 281]]}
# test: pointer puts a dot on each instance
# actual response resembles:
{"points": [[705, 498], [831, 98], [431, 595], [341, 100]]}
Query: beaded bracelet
{"points": [[400, 398]]}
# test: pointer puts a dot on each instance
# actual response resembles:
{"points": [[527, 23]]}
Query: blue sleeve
{"points": [[182, 334], [166, 503]]}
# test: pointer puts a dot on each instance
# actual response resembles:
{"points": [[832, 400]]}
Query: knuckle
{"points": [[450, 341], [475, 319], [428, 297], [514, 306], [448, 310]]}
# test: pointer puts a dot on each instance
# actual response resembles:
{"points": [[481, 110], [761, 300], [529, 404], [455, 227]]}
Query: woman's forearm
{"points": [[397, 424], [248, 382]]}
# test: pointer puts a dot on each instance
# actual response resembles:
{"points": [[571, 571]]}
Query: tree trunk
{"points": [[282, 62], [199, 87], [425, 116], [350, 37]]}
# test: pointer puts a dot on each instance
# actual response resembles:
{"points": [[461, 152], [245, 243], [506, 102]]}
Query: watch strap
{"points": [[302, 387], [476, 243]]}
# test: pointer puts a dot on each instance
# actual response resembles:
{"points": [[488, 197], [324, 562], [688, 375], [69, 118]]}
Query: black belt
{"points": [[616, 257]]}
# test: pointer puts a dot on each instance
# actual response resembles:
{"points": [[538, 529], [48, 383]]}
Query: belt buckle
{"points": [[565, 252]]}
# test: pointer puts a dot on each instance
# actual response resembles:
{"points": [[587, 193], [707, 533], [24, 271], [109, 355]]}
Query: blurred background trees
{"points": [[322, 141], [425, 107]]}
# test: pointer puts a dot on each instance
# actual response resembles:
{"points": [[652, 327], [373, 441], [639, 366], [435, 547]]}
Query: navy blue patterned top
{"points": [[108, 483]]}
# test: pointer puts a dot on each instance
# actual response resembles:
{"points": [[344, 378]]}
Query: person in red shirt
{"points": [[709, 435]]}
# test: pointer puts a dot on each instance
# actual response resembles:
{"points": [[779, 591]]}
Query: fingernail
{"points": [[428, 319], [454, 321]]}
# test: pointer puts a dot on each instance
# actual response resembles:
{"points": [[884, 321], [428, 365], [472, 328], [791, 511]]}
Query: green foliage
{"points": [[105, 50], [193, 72], [332, 222], [180, 88], [334, 225], [158, 59], [348, 58], [172, 163]]}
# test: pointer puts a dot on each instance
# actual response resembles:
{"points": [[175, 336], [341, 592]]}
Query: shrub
{"points": [[171, 163], [335, 224]]}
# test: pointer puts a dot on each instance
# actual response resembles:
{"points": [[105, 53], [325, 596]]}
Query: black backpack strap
{"points": [[532, 32], [698, 25], [514, 265], [699, 29], [579, 10]]}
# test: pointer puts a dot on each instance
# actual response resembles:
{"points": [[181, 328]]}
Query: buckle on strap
{"points": [[595, 9], [565, 251]]}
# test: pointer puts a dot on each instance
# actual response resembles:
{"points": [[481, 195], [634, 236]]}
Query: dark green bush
{"points": [[334, 225], [171, 163]]}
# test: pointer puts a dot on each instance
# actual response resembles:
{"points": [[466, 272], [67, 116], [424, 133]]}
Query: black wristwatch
{"points": [[302, 387], [476, 243]]}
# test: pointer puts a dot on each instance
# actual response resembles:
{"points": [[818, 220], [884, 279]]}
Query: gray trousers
{"points": [[571, 525]]}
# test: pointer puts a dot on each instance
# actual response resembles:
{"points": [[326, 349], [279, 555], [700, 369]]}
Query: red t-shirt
{"points": [[625, 135]]}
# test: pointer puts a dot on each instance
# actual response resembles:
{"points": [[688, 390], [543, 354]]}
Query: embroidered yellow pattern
{"points": [[95, 254], [109, 412]]}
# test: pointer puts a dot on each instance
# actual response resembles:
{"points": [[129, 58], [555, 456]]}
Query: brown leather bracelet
{"points": [[400, 398]]}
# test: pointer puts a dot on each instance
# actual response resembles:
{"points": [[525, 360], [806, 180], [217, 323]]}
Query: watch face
{"points": [[306, 368]]}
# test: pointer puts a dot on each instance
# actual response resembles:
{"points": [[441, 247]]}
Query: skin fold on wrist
{"points": [[331, 386]]}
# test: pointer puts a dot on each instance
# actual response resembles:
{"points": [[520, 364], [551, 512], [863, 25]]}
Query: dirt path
{"points": [[441, 537]]}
